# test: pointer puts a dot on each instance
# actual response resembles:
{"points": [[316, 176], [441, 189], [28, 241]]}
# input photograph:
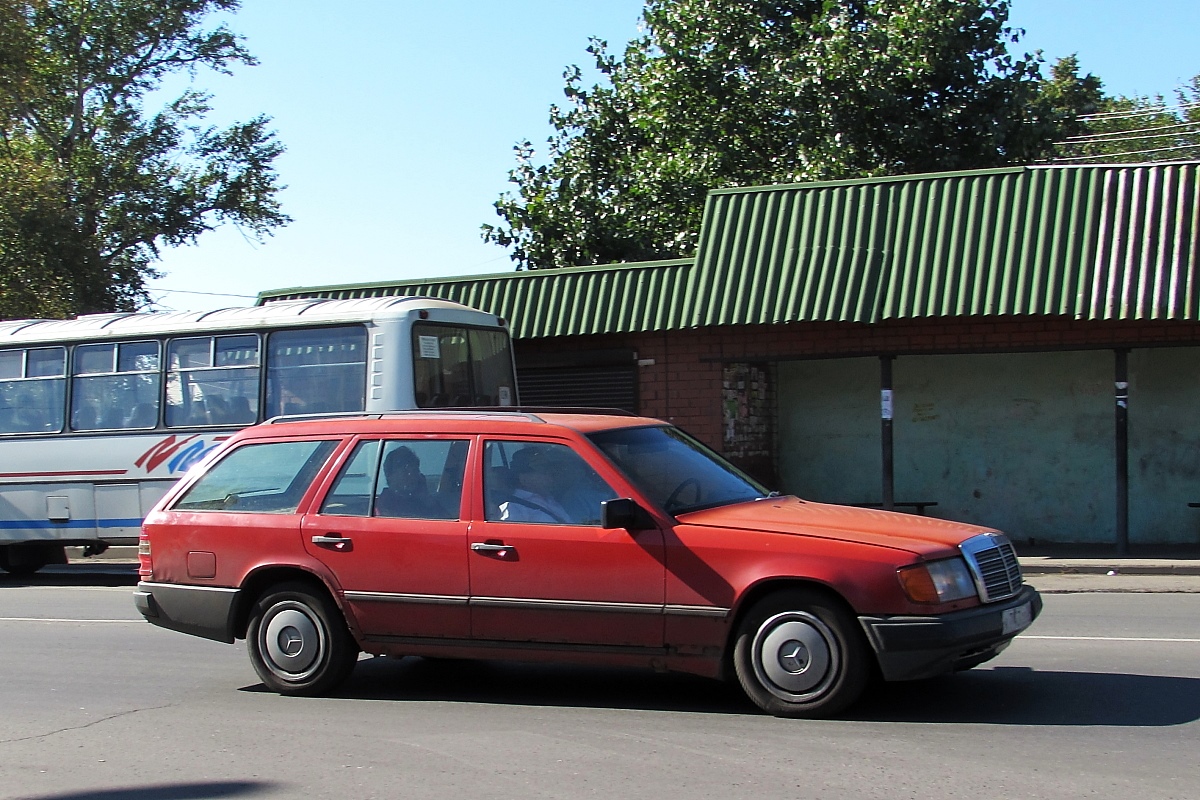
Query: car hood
{"points": [[793, 516]]}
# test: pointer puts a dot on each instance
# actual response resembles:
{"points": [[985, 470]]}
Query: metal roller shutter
{"points": [[596, 386]]}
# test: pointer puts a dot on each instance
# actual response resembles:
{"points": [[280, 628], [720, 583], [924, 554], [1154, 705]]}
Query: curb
{"points": [[1067, 567], [119, 554]]}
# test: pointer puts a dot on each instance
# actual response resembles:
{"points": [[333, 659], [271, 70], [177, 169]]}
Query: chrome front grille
{"points": [[994, 565]]}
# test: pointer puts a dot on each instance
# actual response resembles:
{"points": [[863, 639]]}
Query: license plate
{"points": [[1016, 619]]}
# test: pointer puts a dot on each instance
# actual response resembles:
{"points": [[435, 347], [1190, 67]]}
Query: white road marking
{"points": [[53, 619], [1108, 639]]}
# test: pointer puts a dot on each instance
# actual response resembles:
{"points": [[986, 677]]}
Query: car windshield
{"points": [[674, 470]]}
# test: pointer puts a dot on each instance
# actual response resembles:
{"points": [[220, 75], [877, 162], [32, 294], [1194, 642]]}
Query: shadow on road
{"points": [[998, 696], [1022, 696], [98, 574], [512, 683], [170, 791]]}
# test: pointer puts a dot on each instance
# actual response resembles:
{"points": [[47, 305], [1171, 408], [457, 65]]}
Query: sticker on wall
{"points": [[885, 410], [924, 412]]}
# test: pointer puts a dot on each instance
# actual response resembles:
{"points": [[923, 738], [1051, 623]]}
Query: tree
{"points": [[1098, 128], [91, 185], [722, 93]]}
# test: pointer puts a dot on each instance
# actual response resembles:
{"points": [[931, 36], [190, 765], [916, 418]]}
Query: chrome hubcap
{"points": [[292, 641]]}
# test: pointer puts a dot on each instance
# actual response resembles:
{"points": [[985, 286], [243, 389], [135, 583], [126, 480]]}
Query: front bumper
{"points": [[206, 611], [909, 648]]}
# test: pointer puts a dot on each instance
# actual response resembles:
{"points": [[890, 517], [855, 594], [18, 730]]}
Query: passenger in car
{"points": [[407, 493], [536, 470]]}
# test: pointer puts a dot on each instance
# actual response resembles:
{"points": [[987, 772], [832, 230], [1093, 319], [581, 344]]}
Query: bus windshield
{"points": [[456, 366]]}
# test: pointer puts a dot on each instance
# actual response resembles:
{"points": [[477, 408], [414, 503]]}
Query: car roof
{"points": [[449, 421]]}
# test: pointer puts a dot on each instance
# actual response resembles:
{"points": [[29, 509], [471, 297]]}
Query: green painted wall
{"points": [[1021, 442], [1164, 445], [829, 429]]}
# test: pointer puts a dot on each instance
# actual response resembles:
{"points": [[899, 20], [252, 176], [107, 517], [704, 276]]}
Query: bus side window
{"points": [[317, 370], [212, 380], [110, 380], [33, 390]]}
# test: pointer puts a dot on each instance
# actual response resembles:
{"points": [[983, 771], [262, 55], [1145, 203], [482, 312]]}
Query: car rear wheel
{"points": [[298, 641], [800, 654]]}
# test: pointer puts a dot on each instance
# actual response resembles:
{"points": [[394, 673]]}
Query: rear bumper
{"points": [[206, 611], [909, 648]]}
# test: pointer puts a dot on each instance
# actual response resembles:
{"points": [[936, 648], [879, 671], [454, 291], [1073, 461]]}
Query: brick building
{"points": [[1015, 347]]}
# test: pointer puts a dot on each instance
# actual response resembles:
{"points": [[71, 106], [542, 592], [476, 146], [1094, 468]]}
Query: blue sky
{"points": [[400, 117]]}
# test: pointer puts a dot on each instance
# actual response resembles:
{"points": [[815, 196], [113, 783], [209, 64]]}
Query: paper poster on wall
{"points": [[429, 346], [504, 396]]}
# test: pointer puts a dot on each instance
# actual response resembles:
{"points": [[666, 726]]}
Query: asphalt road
{"points": [[1100, 699]]}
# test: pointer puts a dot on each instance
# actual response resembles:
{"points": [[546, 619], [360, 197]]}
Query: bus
{"points": [[99, 415]]}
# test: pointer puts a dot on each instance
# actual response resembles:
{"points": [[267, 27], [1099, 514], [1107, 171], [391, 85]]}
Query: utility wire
{"points": [[1086, 142], [206, 294], [1194, 152], [1142, 112], [1189, 127]]}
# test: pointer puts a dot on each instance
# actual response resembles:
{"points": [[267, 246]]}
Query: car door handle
{"points": [[500, 550], [333, 541]]}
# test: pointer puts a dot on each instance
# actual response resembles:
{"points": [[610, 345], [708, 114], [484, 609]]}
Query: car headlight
{"points": [[938, 581]]}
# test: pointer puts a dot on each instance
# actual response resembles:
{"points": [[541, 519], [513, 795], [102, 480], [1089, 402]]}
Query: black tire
{"points": [[26, 559], [298, 641], [798, 653]]}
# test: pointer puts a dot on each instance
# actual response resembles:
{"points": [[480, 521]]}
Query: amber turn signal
{"points": [[918, 584]]}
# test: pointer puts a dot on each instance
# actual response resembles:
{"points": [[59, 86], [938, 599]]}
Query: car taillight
{"points": [[145, 563]]}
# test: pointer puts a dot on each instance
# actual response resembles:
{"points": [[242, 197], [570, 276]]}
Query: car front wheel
{"points": [[298, 641], [800, 654]]}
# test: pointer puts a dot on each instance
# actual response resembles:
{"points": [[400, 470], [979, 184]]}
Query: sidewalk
{"points": [[1114, 565], [1061, 575]]}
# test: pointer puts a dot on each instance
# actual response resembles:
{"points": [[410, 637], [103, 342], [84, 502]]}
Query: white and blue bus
{"points": [[100, 414]]}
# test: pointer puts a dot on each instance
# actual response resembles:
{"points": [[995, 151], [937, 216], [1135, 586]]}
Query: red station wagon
{"points": [[570, 536]]}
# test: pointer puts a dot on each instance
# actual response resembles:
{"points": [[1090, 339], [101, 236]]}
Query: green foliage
{"points": [[1122, 130], [91, 185], [721, 93]]}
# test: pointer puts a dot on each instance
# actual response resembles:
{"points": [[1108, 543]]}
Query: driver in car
{"points": [[536, 468]]}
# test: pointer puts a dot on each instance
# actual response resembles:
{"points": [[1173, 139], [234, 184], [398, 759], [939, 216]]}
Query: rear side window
{"points": [[267, 478], [402, 478]]}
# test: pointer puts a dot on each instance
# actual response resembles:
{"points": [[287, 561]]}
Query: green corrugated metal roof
{"points": [[619, 298], [1115, 242], [1086, 242]]}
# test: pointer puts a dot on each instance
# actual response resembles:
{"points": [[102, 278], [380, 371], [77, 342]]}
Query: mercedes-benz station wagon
{"points": [[585, 537]]}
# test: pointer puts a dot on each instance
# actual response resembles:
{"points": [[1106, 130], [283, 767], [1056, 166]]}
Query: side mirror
{"points": [[623, 512]]}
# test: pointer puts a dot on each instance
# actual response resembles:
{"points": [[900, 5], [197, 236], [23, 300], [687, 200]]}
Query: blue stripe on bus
{"points": [[8, 525]]}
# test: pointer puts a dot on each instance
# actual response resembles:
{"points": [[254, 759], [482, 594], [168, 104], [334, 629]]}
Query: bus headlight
{"points": [[937, 581]]}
